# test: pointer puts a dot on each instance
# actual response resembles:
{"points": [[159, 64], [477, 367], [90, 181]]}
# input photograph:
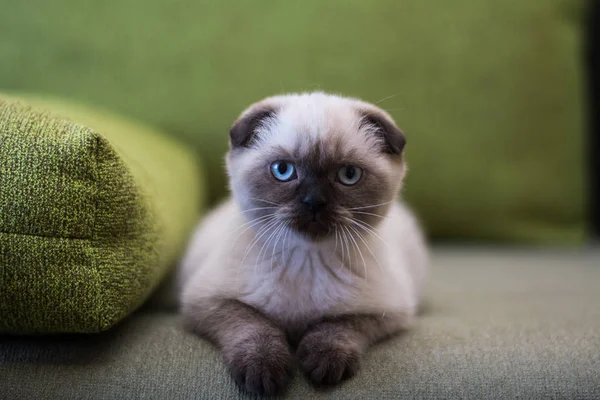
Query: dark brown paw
{"points": [[261, 365], [329, 357]]}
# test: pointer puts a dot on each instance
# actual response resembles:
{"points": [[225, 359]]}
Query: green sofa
{"points": [[490, 97], [497, 324]]}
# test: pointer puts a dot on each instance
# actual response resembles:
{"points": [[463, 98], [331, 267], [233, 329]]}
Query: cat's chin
{"points": [[314, 230]]}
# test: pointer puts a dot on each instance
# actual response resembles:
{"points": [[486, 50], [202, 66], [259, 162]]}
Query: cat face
{"points": [[315, 164]]}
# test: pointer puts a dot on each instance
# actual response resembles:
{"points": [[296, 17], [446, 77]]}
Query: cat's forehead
{"points": [[317, 111], [320, 126]]}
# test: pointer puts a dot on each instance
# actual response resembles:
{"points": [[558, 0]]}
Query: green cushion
{"points": [[92, 215], [498, 325], [488, 92]]}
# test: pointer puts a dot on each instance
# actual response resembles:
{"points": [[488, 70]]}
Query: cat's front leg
{"points": [[254, 348], [331, 350]]}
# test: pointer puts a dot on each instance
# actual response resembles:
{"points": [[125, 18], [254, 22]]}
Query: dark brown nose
{"points": [[315, 202]]}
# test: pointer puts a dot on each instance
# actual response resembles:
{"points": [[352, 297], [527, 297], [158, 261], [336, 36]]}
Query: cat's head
{"points": [[315, 163]]}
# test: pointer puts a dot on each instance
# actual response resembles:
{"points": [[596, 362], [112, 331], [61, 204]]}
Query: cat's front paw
{"points": [[262, 365], [329, 357]]}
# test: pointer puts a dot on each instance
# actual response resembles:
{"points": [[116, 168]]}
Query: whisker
{"points": [[335, 231], [367, 246], [387, 98], [259, 208], [366, 224], [371, 214], [274, 228], [250, 245], [347, 246], [372, 206], [260, 233], [264, 229], [350, 266], [266, 220], [256, 222], [269, 222], [257, 219], [358, 249], [366, 227], [286, 257], [265, 201], [281, 232], [265, 246]]}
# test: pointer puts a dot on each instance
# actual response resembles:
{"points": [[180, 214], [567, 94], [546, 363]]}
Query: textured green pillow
{"points": [[488, 92], [92, 215]]}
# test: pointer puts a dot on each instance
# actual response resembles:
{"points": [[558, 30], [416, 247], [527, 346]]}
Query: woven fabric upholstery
{"points": [[92, 215], [497, 325], [489, 93]]}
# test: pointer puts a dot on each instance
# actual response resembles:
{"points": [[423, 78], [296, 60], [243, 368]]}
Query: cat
{"points": [[313, 252]]}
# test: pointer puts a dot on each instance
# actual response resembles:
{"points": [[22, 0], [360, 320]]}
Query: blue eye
{"points": [[283, 171], [349, 175]]}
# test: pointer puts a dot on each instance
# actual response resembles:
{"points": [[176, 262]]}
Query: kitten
{"points": [[312, 252]]}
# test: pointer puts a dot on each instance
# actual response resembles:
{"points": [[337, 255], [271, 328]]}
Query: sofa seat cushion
{"points": [[495, 325]]}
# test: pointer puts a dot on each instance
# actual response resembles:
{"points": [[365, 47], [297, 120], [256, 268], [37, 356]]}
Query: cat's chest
{"points": [[303, 287]]}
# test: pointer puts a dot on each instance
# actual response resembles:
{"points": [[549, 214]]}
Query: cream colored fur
{"points": [[290, 278]]}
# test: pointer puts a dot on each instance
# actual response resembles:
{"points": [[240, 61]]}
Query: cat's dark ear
{"points": [[243, 131], [393, 138]]}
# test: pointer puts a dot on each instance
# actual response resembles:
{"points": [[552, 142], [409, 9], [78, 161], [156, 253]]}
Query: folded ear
{"points": [[381, 124], [243, 131]]}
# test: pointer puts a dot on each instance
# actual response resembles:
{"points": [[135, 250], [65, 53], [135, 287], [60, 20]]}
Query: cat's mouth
{"points": [[315, 226]]}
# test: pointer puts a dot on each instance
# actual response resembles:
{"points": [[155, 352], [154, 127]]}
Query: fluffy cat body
{"points": [[295, 282], [263, 271]]}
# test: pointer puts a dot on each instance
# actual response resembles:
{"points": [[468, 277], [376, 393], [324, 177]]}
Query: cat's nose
{"points": [[314, 202]]}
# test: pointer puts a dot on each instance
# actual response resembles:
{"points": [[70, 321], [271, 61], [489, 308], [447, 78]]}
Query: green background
{"points": [[488, 92]]}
